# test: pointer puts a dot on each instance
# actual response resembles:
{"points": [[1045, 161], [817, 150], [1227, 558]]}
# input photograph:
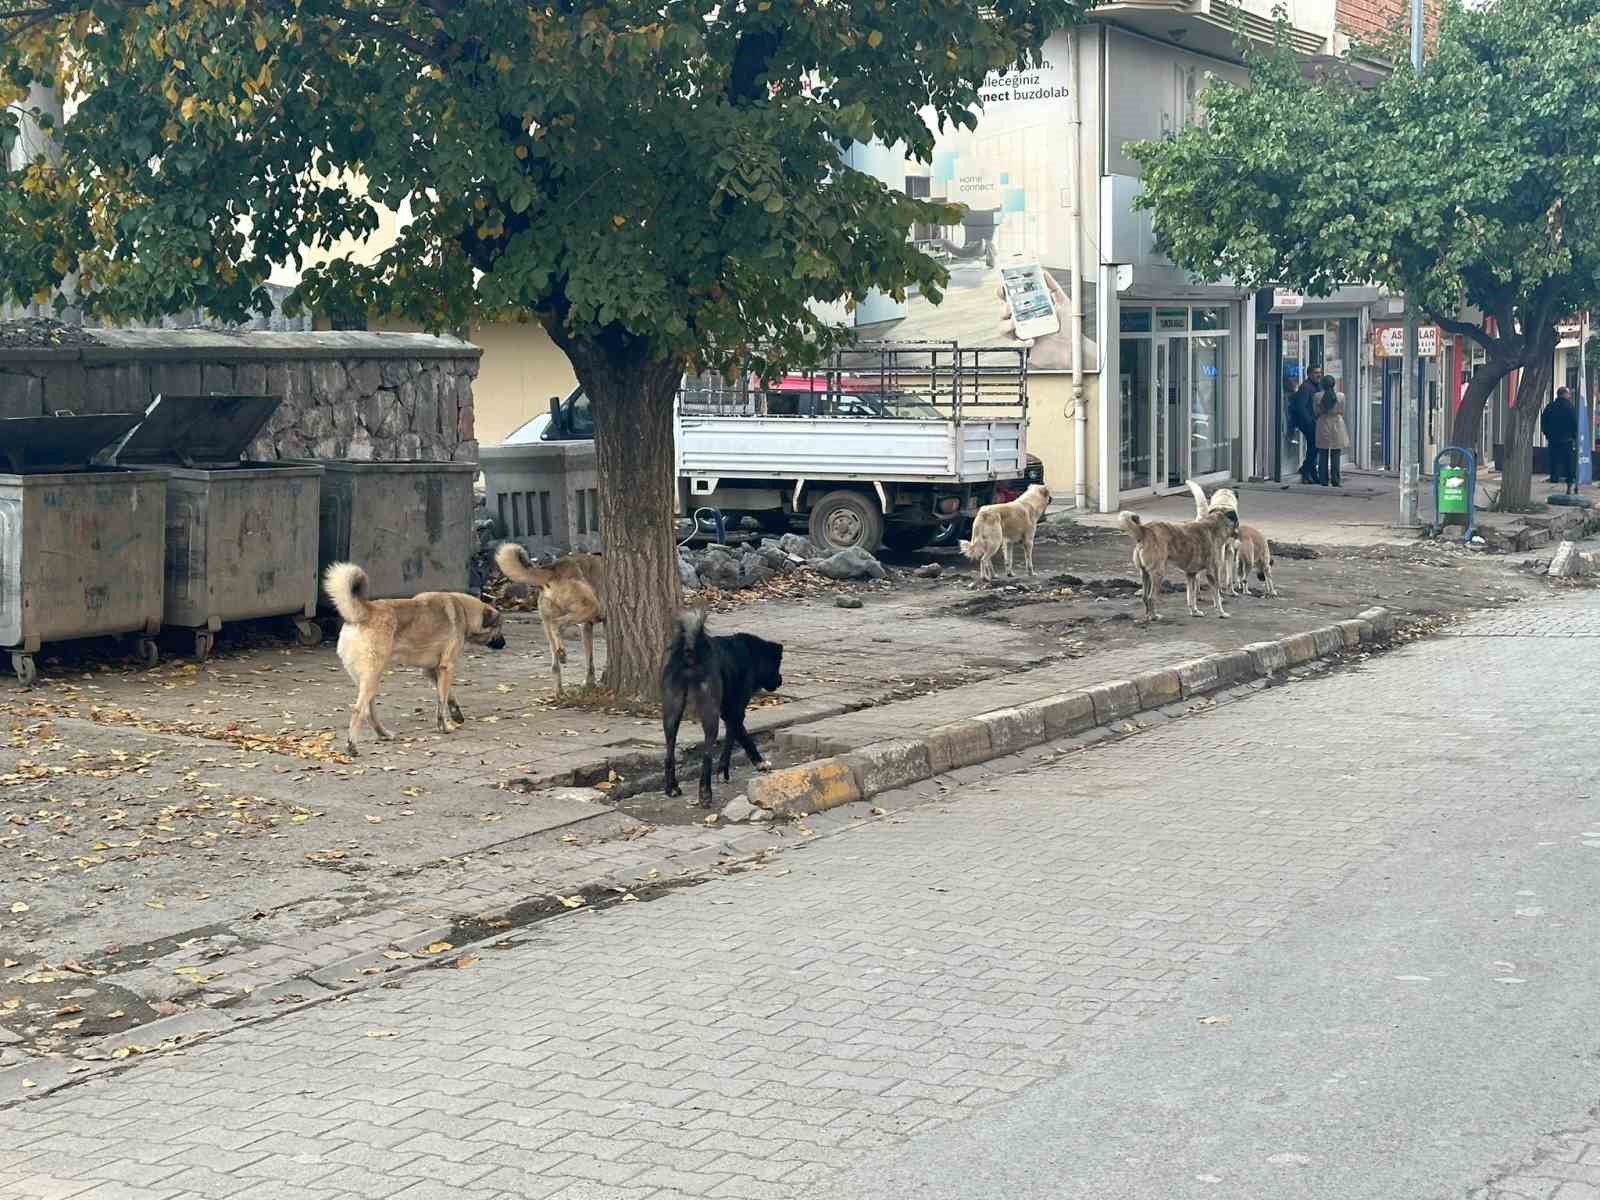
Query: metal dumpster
{"points": [[545, 495], [241, 536], [81, 546], [409, 524]]}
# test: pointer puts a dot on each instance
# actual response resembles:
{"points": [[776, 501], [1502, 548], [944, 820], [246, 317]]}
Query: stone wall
{"points": [[383, 396]]}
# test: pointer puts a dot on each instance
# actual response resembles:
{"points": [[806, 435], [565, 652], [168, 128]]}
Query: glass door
{"points": [[1137, 411], [1172, 417], [1160, 420]]}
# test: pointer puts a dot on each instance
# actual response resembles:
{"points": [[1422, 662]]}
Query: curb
{"points": [[848, 775]]}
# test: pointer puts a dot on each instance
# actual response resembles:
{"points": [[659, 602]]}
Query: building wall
{"points": [[344, 395], [1372, 20]]}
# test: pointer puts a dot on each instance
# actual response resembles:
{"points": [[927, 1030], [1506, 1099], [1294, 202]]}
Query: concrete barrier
{"points": [[864, 772], [810, 787]]}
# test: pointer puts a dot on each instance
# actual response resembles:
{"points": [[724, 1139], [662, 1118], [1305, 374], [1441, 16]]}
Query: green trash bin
{"points": [[1454, 499]]}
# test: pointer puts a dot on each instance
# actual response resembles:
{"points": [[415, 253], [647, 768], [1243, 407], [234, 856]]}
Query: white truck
{"points": [[895, 443], [888, 443]]}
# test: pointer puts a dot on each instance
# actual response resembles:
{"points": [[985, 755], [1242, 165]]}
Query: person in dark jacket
{"points": [[1303, 419], [1559, 423]]}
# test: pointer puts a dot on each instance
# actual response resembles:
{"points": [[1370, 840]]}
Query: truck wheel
{"points": [[843, 519]]}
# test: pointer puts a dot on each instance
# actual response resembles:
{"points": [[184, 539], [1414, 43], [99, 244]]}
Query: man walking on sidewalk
{"points": [[1559, 423], [1303, 418]]}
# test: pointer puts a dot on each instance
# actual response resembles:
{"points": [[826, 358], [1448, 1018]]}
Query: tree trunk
{"points": [[1533, 389], [632, 406], [1468, 426]]}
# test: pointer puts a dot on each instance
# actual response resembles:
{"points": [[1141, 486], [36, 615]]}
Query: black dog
{"points": [[714, 677]]}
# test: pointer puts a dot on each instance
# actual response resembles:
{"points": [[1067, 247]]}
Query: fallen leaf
{"points": [[19, 907], [395, 955], [437, 948], [129, 1051], [165, 1008], [466, 960], [411, 791], [571, 901], [371, 820], [1216, 1020], [154, 904], [67, 1010], [380, 1033], [28, 1083]]}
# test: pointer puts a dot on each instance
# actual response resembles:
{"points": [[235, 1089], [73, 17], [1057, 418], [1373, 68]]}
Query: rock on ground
{"points": [[850, 563]]}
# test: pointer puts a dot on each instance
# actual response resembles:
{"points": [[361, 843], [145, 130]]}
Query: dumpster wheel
{"points": [[204, 639], [149, 652], [24, 666], [307, 631]]}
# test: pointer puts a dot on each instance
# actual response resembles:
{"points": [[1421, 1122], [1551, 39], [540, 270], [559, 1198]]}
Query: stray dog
{"points": [[997, 527], [1222, 500], [566, 598], [715, 678], [428, 631], [1195, 547], [1252, 551]]}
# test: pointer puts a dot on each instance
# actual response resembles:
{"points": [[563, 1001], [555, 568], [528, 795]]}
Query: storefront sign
{"points": [[1286, 301], [1389, 341], [1568, 334]]}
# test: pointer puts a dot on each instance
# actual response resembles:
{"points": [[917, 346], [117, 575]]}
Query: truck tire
{"points": [[843, 519]]}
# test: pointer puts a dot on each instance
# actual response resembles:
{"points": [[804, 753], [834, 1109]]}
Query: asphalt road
{"points": [[1338, 940]]}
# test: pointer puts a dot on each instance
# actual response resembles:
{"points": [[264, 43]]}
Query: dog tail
{"points": [[690, 643], [515, 565], [346, 585], [1199, 500], [967, 548], [1132, 526]]}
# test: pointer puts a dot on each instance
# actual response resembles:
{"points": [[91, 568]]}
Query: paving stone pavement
{"points": [[752, 1036]]}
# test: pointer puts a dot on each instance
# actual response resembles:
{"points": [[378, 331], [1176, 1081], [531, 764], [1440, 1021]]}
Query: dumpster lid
{"points": [[198, 430], [36, 445]]}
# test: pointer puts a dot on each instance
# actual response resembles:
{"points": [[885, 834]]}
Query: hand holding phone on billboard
{"points": [[1030, 298]]}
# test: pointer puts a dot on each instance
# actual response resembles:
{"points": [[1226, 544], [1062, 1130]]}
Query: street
{"points": [[1336, 940]]}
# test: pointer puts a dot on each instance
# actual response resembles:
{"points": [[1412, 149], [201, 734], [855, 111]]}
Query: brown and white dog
{"points": [[429, 631], [1194, 547], [1249, 550], [569, 594], [998, 527]]}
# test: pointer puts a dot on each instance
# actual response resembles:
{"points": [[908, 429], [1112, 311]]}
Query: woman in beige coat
{"points": [[1332, 436]]}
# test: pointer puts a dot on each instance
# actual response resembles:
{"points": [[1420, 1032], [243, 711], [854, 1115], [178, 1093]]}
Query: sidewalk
{"points": [[189, 837]]}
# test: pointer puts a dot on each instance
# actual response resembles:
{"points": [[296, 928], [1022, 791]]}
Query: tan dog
{"points": [[566, 597], [998, 527], [1195, 547], [428, 631], [1252, 552]]}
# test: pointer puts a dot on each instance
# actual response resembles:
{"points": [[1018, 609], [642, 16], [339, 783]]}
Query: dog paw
{"points": [[350, 749], [763, 767]]}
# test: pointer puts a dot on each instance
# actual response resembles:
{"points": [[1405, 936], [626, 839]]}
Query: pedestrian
{"points": [[1303, 419], [1332, 437], [1559, 423]]}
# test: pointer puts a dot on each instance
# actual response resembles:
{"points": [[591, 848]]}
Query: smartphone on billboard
{"points": [[1033, 309]]}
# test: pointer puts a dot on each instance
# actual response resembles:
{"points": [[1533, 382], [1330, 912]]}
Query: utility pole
{"points": [[1585, 411], [1410, 391]]}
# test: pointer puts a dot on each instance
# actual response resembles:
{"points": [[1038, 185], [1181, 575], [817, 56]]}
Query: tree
{"points": [[657, 183], [1472, 188]]}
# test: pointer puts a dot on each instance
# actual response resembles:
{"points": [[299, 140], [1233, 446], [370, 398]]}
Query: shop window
{"points": [[1134, 320]]}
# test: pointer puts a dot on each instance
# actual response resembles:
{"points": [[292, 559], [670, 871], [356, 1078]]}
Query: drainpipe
{"points": [[1080, 415]]}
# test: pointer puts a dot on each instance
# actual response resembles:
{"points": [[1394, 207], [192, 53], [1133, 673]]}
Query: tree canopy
{"points": [[1474, 187], [656, 172], [658, 183]]}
